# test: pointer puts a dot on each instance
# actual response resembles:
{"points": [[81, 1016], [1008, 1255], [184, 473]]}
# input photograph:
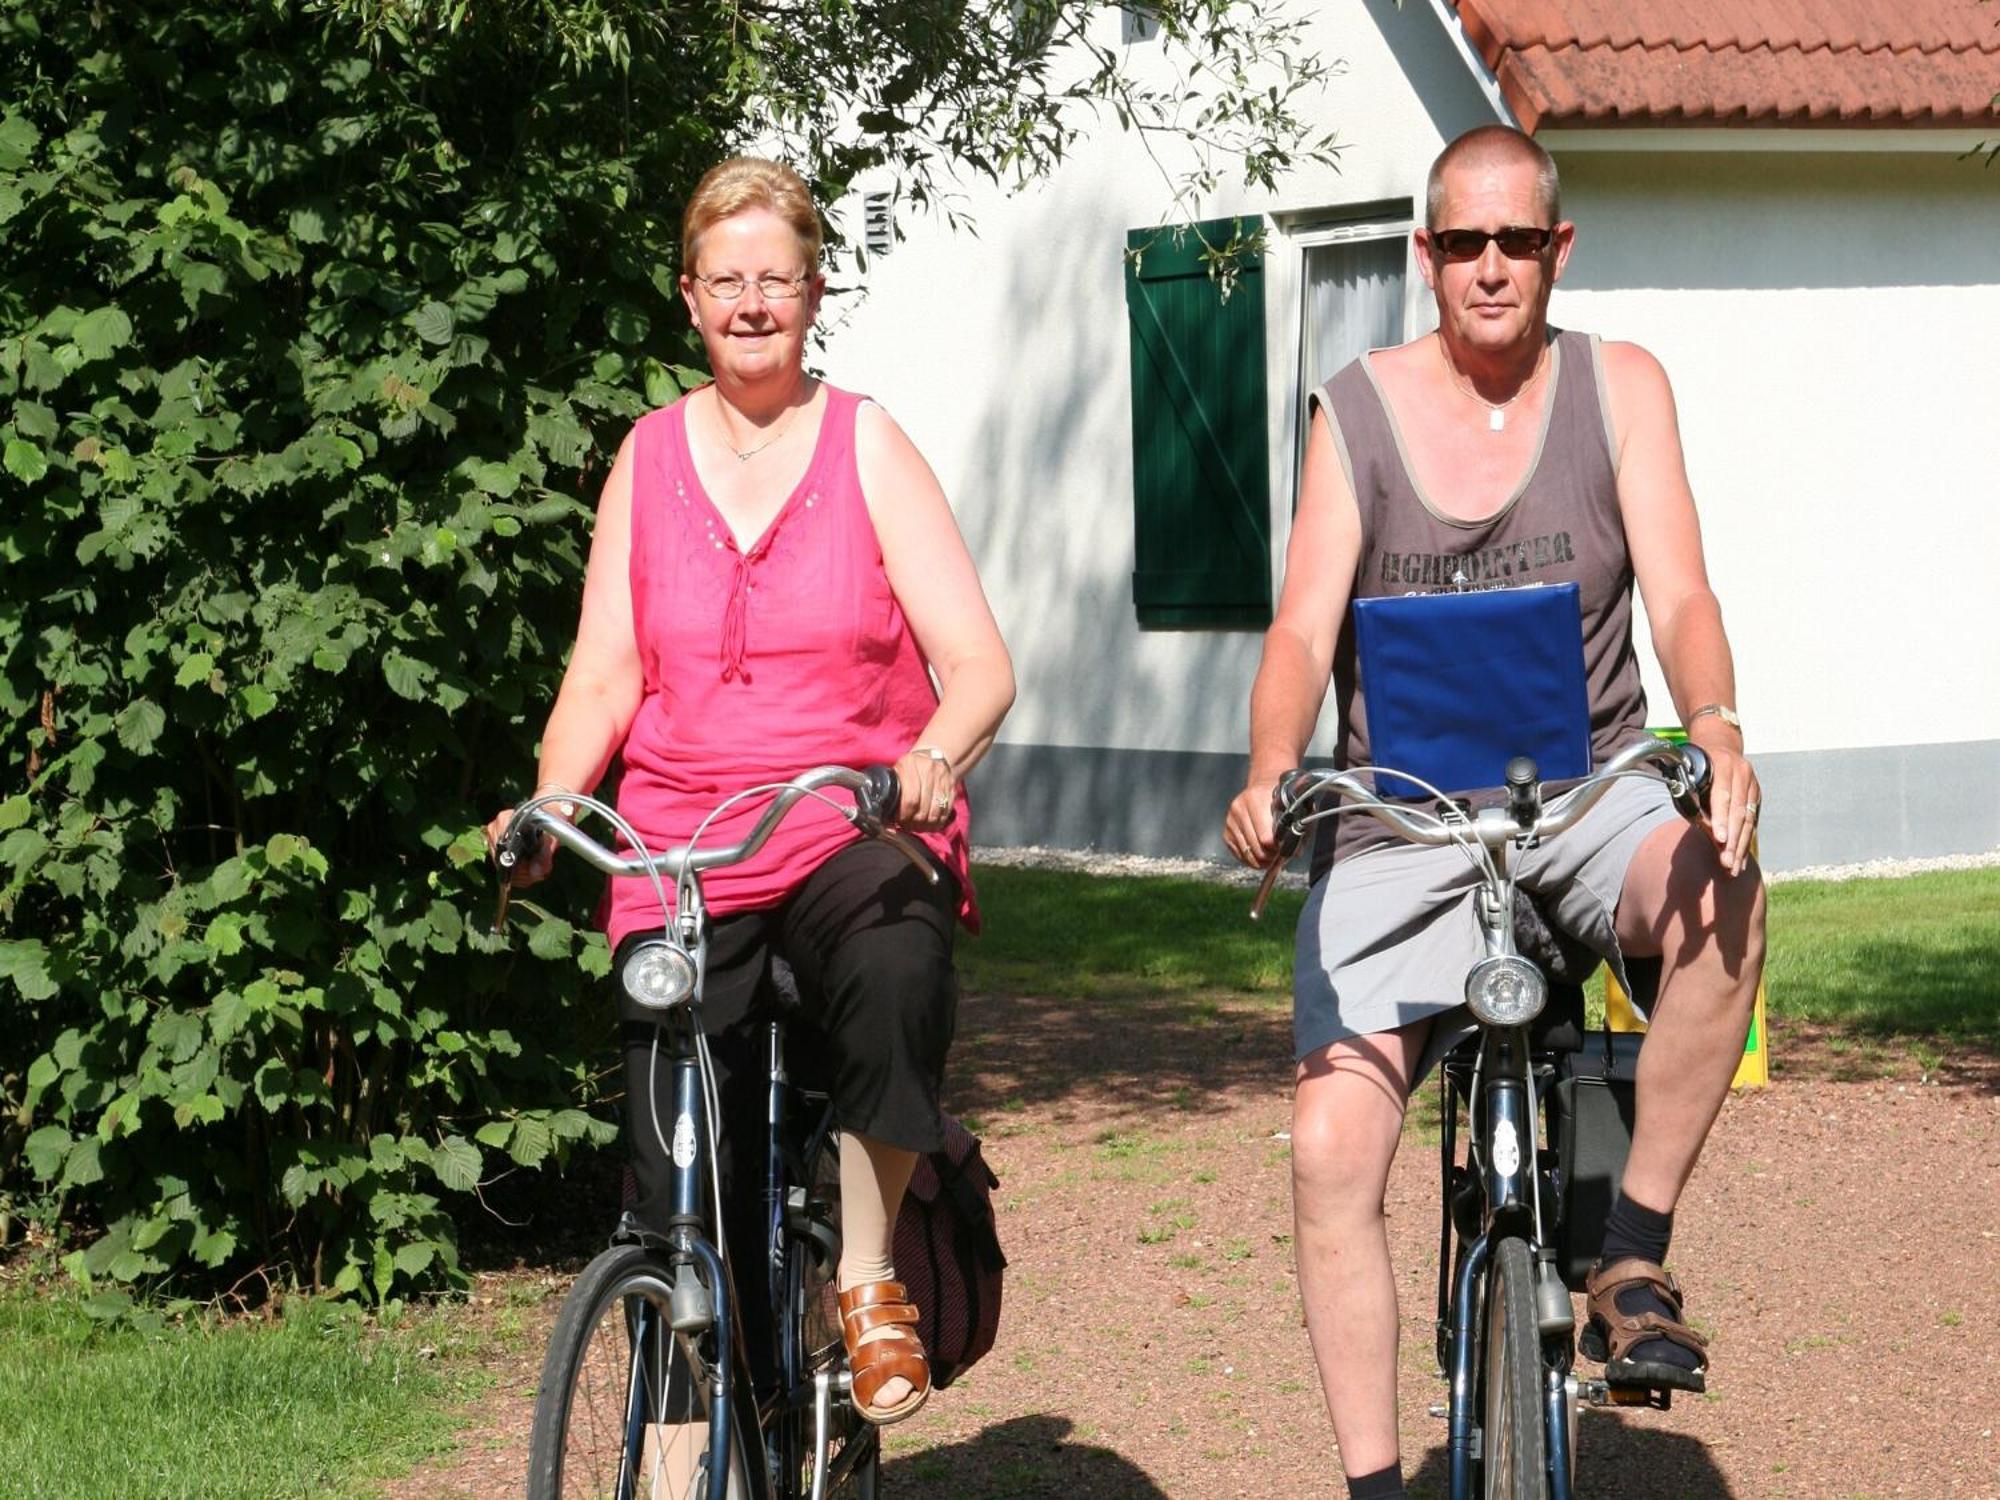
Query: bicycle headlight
{"points": [[1506, 990], [659, 975]]}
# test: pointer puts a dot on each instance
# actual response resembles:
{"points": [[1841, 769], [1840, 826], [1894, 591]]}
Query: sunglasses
{"points": [[1516, 242]]}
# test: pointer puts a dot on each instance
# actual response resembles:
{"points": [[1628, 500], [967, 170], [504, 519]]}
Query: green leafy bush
{"points": [[306, 356], [319, 322]]}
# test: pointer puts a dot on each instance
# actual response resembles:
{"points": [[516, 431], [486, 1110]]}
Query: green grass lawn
{"points": [[1913, 957], [317, 1403]]}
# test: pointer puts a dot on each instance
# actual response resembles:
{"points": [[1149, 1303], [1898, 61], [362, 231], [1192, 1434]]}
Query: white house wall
{"points": [[1835, 500]]}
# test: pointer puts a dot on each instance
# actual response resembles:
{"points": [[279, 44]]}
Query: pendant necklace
{"points": [[744, 455], [1496, 412]]}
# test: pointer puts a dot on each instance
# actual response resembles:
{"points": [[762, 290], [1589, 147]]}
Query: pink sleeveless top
{"points": [[759, 664]]}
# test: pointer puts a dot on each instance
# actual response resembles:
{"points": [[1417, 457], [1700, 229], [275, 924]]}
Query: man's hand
{"points": [[1248, 830], [1734, 796]]}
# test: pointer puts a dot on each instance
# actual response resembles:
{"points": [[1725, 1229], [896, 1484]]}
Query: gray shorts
{"points": [[1387, 936]]}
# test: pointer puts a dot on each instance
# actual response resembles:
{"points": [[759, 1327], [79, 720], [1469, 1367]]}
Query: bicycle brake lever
{"points": [[1270, 883], [500, 908]]}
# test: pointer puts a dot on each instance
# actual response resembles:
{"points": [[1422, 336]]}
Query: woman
{"points": [[775, 580]]}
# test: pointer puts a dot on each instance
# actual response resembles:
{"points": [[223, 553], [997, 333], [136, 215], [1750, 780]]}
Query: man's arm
{"points": [[1663, 534], [1298, 648]]}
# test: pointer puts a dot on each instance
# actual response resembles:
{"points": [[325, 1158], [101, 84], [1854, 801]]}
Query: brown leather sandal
{"points": [[1611, 1335], [898, 1353]]}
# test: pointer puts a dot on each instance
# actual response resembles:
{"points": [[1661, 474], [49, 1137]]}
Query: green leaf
{"points": [[25, 461], [626, 324], [214, 1247], [434, 323], [413, 1259], [25, 961], [47, 1149], [195, 669], [140, 724], [84, 1164], [296, 1185], [494, 1133], [15, 811], [531, 1142], [102, 333], [256, 701], [18, 139], [407, 676], [457, 1163], [552, 938]]}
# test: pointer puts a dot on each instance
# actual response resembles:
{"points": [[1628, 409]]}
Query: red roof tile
{"points": [[1741, 62]]}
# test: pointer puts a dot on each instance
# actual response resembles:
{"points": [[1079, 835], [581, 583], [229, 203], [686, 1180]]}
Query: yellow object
{"points": [[1754, 1072]]}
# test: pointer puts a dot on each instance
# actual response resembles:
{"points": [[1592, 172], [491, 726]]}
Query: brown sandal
{"points": [[896, 1354], [1611, 1335]]}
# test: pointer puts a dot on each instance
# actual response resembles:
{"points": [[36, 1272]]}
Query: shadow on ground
{"points": [[1018, 1460], [1631, 1462], [1013, 1052]]}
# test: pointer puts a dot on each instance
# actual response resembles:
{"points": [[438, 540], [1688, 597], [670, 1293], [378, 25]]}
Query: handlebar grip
{"points": [[1697, 776], [881, 795], [515, 845]]}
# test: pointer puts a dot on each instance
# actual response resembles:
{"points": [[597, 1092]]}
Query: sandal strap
{"points": [[861, 1320], [883, 1308], [1627, 1329]]}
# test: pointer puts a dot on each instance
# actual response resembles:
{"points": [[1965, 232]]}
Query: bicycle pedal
{"points": [[1642, 1396]]}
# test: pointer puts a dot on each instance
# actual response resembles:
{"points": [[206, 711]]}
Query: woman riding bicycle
{"points": [[775, 581]]}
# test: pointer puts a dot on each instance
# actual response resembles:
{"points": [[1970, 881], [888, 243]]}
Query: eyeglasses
{"points": [[775, 288], [1516, 242]]}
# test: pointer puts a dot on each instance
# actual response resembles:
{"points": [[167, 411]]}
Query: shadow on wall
{"points": [[1027, 1457], [1045, 501], [1431, 61], [1767, 220]]}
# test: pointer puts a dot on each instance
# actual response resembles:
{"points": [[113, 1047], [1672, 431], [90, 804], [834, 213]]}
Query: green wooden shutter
{"points": [[1200, 460]]}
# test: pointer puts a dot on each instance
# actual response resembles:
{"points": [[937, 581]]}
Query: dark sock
{"points": [[1635, 1231], [1383, 1484]]}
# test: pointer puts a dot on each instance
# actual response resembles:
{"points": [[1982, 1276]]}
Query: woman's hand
{"points": [[537, 865], [930, 787]]}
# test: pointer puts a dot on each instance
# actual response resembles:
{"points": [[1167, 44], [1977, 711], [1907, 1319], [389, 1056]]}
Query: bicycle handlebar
{"points": [[1524, 818], [876, 792]]}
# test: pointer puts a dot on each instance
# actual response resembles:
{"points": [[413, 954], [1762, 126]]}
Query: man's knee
{"points": [[1343, 1140]]}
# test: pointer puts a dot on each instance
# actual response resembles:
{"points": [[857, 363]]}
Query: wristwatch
{"points": [[934, 753], [1722, 711]]}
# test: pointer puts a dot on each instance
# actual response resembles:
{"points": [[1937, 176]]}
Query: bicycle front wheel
{"points": [[1513, 1447], [624, 1405]]}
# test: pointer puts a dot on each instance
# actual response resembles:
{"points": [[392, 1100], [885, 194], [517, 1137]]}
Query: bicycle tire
{"points": [[812, 1309], [582, 1408], [1513, 1448]]}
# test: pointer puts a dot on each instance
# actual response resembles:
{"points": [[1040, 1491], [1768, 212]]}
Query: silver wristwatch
{"points": [[1722, 711]]}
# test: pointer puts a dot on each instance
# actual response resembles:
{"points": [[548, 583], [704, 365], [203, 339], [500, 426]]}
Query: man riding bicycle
{"points": [[1499, 452]]}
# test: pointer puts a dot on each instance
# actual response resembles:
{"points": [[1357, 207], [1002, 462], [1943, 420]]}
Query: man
{"points": [[1498, 451]]}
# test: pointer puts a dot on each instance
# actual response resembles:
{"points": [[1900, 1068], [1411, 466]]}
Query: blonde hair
{"points": [[742, 183]]}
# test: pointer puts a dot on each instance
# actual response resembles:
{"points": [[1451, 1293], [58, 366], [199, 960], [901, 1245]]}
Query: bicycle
{"points": [[1506, 1327], [647, 1377]]}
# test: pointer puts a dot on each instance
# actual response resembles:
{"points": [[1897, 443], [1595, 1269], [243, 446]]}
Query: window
{"points": [[1351, 296], [1200, 454]]}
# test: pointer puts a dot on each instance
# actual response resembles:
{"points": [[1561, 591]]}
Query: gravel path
{"points": [[1838, 1243]]}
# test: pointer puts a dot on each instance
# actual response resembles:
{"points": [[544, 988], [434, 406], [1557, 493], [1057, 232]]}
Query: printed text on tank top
{"points": [[1462, 473]]}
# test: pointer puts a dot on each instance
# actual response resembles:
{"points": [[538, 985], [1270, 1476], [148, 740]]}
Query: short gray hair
{"points": [[1493, 144]]}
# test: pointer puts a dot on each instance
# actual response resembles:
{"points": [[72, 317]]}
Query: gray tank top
{"points": [[1562, 525]]}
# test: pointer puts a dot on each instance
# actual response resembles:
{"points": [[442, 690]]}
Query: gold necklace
{"points": [[1496, 412], [744, 455]]}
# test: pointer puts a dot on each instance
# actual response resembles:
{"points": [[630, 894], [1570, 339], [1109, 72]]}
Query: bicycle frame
{"points": [[702, 1295], [1503, 1093]]}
